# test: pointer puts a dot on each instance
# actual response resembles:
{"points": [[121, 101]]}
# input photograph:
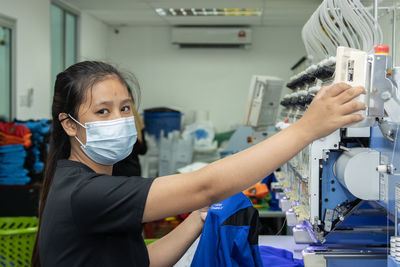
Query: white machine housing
{"points": [[352, 67], [263, 101]]}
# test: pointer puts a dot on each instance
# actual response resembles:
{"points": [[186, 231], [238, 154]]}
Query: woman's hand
{"points": [[170, 248], [332, 108], [203, 213]]}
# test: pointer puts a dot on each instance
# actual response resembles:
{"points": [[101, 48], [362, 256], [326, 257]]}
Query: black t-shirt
{"points": [[93, 219], [130, 166]]}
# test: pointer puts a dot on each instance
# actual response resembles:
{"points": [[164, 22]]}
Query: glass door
{"points": [[5, 73], [63, 28]]}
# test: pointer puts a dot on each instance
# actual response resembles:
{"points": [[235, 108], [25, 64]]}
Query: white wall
{"points": [[216, 80], [32, 53], [93, 38]]}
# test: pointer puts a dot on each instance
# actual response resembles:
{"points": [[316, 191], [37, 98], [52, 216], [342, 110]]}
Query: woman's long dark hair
{"points": [[70, 90]]}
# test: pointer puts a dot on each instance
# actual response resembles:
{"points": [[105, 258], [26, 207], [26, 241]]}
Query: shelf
{"points": [[270, 213], [22, 187]]}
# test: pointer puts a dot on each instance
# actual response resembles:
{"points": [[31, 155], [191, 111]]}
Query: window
{"points": [[6, 68], [63, 39]]}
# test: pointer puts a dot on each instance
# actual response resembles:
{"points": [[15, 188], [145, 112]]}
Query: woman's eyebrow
{"points": [[107, 103], [110, 103], [126, 101]]}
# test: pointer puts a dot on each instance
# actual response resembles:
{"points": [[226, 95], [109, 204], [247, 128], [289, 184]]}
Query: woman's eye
{"points": [[126, 108], [103, 111]]}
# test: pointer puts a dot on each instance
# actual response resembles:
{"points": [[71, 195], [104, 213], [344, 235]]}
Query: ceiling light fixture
{"points": [[160, 12], [245, 12]]}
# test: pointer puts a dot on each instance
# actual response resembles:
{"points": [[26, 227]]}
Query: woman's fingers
{"points": [[335, 89], [332, 108], [351, 107], [350, 94], [203, 215], [351, 118]]}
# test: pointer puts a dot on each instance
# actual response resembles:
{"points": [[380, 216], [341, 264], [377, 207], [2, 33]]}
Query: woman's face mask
{"points": [[108, 142]]}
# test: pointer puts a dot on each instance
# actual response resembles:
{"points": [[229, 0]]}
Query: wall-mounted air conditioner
{"points": [[211, 36]]}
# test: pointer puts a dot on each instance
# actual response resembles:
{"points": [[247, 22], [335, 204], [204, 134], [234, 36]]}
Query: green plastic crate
{"points": [[148, 241], [17, 238]]}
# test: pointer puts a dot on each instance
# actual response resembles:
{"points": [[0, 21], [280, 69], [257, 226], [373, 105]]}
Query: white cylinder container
{"points": [[356, 170]]}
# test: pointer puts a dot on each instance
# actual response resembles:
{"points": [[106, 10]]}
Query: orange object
{"points": [[14, 134], [258, 190], [6, 139]]}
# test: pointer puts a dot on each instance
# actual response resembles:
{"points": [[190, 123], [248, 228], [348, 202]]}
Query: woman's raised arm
{"points": [[331, 109]]}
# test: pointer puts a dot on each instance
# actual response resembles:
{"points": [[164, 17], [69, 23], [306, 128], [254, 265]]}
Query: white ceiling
{"points": [[142, 12]]}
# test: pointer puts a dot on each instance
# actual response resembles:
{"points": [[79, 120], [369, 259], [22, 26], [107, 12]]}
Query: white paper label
{"points": [[383, 188], [397, 196]]}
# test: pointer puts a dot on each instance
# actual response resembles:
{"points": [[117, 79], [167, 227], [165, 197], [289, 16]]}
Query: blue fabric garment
{"points": [[16, 162], [13, 172], [15, 181], [37, 153], [12, 159], [230, 235], [11, 148], [40, 126], [276, 257], [273, 202], [38, 166]]}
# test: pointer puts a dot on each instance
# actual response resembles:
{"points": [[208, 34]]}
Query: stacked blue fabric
{"points": [[12, 159], [36, 154], [278, 257]]}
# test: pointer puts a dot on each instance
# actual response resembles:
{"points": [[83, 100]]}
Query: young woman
{"points": [[90, 218]]}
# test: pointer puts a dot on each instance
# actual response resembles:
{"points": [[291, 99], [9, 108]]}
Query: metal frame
{"points": [[11, 23], [394, 34], [77, 14], [319, 151]]}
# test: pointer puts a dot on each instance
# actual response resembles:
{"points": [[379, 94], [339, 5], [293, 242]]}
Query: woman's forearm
{"points": [[251, 165], [169, 249]]}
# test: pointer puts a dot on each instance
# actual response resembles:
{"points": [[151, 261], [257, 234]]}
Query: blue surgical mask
{"points": [[108, 142]]}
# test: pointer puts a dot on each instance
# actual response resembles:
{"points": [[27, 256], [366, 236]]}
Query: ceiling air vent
{"points": [[220, 37]]}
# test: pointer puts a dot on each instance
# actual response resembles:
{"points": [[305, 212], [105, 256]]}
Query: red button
{"points": [[242, 34], [249, 139], [382, 49]]}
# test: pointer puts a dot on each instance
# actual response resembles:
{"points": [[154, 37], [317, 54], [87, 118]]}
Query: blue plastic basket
{"points": [[166, 122]]}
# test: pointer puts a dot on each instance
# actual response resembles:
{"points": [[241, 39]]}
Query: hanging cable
{"points": [[340, 23], [283, 226]]}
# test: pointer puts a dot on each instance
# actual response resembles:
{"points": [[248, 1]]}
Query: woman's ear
{"points": [[68, 124]]}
